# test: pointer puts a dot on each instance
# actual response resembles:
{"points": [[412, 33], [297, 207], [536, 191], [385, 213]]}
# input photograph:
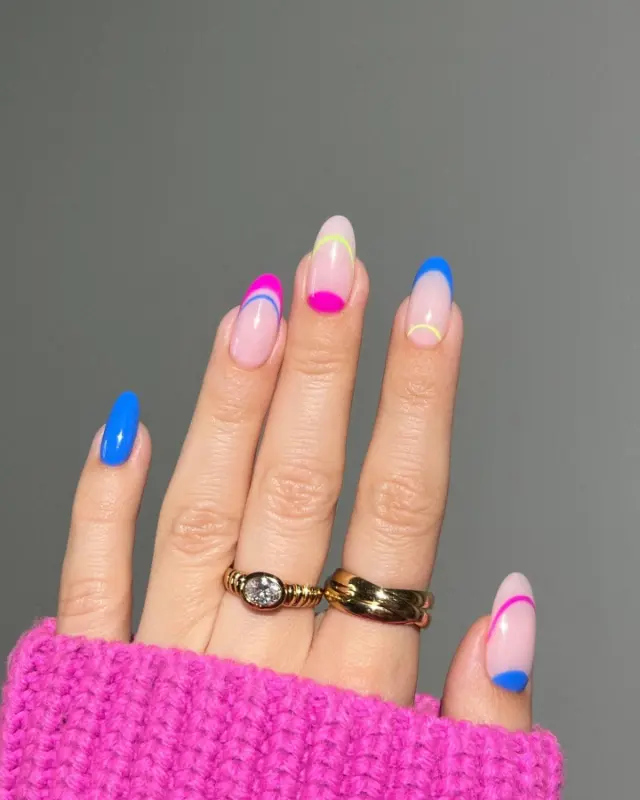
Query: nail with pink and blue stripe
{"points": [[511, 637], [256, 327]]}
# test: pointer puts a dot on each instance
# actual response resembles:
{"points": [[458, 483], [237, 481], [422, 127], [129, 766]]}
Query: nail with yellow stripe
{"points": [[332, 267], [430, 303]]}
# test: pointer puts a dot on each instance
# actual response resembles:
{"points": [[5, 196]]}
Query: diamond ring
{"points": [[266, 592]]}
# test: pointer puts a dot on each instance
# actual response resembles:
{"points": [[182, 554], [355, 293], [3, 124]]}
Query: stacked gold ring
{"points": [[266, 592], [353, 595]]}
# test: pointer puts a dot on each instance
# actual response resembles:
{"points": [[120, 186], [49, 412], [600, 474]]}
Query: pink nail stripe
{"points": [[326, 302], [518, 598], [264, 284]]}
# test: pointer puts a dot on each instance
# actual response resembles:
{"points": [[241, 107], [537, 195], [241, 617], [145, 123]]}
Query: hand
{"points": [[274, 511]]}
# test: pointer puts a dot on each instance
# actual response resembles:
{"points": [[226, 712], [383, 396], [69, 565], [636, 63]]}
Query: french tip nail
{"points": [[429, 310], [511, 634], [435, 264], [267, 281]]}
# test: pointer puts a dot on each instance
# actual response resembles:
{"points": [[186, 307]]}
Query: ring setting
{"points": [[263, 591]]}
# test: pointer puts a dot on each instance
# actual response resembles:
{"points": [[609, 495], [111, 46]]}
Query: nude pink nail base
{"points": [[332, 267], [256, 327], [512, 634], [430, 303]]}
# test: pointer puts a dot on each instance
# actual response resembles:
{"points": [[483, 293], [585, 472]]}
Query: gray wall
{"points": [[155, 155]]}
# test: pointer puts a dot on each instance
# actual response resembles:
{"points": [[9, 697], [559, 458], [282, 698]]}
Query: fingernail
{"points": [[332, 266], [256, 327], [430, 303], [121, 430], [512, 634]]}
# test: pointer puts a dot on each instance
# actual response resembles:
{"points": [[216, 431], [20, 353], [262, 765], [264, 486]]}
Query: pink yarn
{"points": [[99, 720]]}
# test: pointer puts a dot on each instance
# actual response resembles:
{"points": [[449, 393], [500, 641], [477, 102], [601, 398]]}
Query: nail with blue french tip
{"points": [[120, 430], [512, 634], [430, 303]]}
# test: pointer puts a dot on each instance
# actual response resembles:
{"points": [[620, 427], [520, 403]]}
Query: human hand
{"points": [[274, 511]]}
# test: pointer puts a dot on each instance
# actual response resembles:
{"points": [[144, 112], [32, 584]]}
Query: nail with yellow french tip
{"points": [[430, 303]]}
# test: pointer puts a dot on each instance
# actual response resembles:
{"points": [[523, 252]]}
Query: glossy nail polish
{"points": [[256, 327], [512, 634], [332, 267], [120, 430], [430, 303]]}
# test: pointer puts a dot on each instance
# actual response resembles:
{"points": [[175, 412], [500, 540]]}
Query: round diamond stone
{"points": [[263, 591]]}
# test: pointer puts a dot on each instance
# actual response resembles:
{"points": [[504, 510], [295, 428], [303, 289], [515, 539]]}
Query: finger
{"points": [[298, 473], [490, 678], [401, 498], [200, 517], [95, 588]]}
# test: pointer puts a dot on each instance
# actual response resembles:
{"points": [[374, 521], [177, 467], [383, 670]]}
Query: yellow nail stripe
{"points": [[426, 326], [334, 237]]}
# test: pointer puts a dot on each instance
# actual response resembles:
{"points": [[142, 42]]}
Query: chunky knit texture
{"points": [[92, 719]]}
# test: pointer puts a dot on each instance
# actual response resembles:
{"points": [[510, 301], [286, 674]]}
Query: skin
{"points": [[272, 508]]}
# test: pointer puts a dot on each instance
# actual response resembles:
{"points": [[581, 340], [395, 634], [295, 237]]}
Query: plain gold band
{"points": [[354, 595], [291, 595]]}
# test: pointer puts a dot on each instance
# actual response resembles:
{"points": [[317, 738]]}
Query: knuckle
{"points": [[404, 505], [416, 388], [89, 598], [98, 509], [202, 530], [323, 360], [232, 404], [301, 493]]}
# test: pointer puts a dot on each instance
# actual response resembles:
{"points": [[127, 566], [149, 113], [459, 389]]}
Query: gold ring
{"points": [[266, 592], [353, 595]]}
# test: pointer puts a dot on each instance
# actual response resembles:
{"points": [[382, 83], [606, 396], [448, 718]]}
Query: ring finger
{"points": [[401, 497]]}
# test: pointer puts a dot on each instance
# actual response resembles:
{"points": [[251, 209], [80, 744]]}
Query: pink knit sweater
{"points": [[98, 720]]}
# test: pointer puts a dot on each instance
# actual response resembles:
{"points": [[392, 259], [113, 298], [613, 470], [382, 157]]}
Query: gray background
{"points": [[155, 155]]}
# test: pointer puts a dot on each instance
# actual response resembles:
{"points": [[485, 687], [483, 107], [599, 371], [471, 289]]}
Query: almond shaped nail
{"points": [[430, 303], [512, 634], [256, 327], [120, 430], [332, 267]]}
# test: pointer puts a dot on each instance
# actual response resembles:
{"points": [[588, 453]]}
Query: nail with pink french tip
{"points": [[430, 303], [256, 327], [332, 267], [511, 637]]}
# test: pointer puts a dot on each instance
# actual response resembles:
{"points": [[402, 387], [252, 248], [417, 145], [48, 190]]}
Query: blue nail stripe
{"points": [[121, 430], [514, 680], [261, 297], [435, 264]]}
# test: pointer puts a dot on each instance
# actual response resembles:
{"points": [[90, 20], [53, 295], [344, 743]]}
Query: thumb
{"points": [[489, 681]]}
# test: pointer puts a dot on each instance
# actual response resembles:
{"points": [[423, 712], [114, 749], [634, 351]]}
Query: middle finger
{"points": [[298, 473]]}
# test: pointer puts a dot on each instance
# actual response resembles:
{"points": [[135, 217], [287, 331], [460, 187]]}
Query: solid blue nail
{"points": [[121, 430], [436, 264], [514, 680]]}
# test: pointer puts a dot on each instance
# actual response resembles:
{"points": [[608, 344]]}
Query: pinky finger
{"points": [[95, 589], [490, 678]]}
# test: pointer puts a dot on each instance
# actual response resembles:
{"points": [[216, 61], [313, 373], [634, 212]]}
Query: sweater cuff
{"points": [[94, 719]]}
